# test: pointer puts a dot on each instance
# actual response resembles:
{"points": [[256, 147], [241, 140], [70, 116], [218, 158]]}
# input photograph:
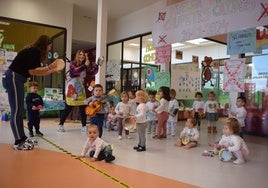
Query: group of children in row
{"points": [[149, 113]]}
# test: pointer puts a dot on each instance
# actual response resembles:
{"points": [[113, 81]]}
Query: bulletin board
{"points": [[185, 79]]}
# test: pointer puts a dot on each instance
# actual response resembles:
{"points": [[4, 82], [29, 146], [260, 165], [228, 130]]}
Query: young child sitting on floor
{"points": [[112, 120], [98, 148], [189, 135], [233, 142]]}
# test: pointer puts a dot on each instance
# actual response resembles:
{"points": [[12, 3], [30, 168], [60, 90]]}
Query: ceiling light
{"points": [[133, 44], [177, 45], [198, 41]]}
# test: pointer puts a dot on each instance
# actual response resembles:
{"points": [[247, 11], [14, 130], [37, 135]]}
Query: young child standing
{"points": [[173, 108], [98, 119], [162, 112], [233, 142], [122, 110], [141, 122], [98, 149], [133, 104], [240, 113], [189, 135], [112, 120], [211, 110], [34, 103], [198, 108], [151, 116]]}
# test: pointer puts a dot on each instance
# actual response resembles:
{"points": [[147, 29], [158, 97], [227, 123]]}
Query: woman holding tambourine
{"points": [[27, 63], [189, 135]]}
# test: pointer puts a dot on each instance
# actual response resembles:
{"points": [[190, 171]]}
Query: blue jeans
{"points": [[98, 120], [14, 85]]}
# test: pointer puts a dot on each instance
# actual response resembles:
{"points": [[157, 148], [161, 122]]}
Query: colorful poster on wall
{"points": [[113, 70], [188, 20], [233, 75], [185, 80], [162, 79], [150, 77], [162, 54], [261, 39], [239, 42]]}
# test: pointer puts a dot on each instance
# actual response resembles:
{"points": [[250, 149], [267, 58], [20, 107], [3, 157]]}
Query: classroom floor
{"points": [[53, 164]]}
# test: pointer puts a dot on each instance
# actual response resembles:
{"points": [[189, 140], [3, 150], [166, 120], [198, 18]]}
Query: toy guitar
{"points": [[96, 105]]}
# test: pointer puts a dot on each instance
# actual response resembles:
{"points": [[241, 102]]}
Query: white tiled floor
{"points": [[162, 158]]}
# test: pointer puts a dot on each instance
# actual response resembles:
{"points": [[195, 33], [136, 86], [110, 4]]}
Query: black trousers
{"points": [[67, 110]]}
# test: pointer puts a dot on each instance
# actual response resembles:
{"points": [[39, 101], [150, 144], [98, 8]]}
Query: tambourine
{"points": [[100, 61], [185, 140], [60, 64], [129, 123], [225, 155]]}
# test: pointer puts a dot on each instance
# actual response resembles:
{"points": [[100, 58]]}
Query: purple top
{"points": [[75, 70]]}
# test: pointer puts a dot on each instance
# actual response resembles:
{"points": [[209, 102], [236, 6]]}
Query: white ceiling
{"points": [[116, 9]]}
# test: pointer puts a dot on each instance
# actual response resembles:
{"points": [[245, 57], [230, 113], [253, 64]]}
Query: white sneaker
{"points": [[128, 137], [84, 129], [60, 128], [239, 161], [119, 137]]}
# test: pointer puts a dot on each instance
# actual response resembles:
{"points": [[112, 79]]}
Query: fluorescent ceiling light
{"points": [[133, 44], [150, 39], [177, 45], [198, 41]]}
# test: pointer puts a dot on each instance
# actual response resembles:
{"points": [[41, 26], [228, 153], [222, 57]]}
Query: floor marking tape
{"points": [[86, 163]]}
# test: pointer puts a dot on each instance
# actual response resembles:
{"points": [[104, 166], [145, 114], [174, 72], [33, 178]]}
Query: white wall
{"points": [[132, 24], [84, 28], [56, 13], [216, 51]]}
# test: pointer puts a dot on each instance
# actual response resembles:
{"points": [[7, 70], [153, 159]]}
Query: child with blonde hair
{"points": [[189, 135], [141, 122], [231, 141]]}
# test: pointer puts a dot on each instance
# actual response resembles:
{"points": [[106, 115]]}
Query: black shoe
{"points": [[163, 136], [31, 134], [38, 133], [156, 137], [109, 158], [141, 148], [136, 147]]}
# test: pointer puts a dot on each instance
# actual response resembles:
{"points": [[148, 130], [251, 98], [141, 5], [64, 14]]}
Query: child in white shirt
{"points": [[173, 108], [141, 122], [151, 116], [98, 149], [233, 142], [189, 135], [112, 120], [198, 108], [162, 112], [123, 110], [240, 113]]}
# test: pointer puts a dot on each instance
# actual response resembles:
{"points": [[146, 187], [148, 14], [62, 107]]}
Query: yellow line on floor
{"points": [[86, 163]]}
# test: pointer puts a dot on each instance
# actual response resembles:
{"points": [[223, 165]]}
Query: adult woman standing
{"points": [[26, 64], [75, 88]]}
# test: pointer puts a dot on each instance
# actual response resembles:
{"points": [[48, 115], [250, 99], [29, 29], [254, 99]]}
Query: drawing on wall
{"points": [[185, 80], [162, 79], [113, 70]]}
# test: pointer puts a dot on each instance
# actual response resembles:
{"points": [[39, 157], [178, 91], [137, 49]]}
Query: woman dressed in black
{"points": [[26, 64]]}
